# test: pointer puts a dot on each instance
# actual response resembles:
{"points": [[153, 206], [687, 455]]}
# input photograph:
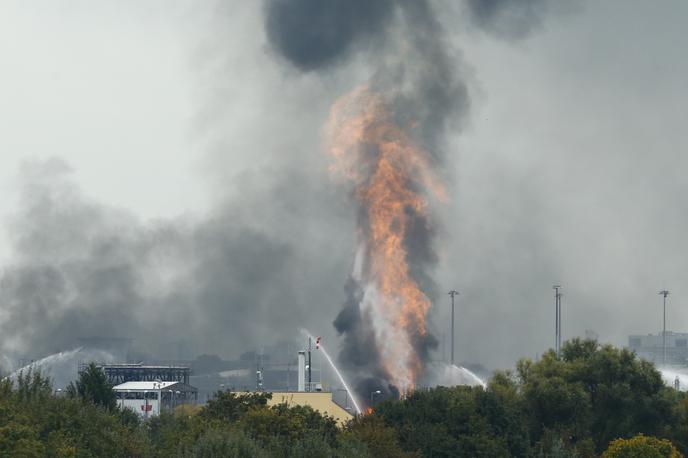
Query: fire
{"points": [[391, 175]]}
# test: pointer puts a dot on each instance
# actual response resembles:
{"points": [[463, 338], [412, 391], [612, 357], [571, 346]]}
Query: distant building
{"points": [[150, 398], [120, 373], [317, 400], [650, 347]]}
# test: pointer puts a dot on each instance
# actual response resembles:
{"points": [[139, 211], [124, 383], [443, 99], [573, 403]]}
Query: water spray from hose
{"points": [[336, 371]]}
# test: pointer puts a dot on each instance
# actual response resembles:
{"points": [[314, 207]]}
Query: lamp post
{"points": [[557, 318], [157, 387], [452, 293], [664, 293]]}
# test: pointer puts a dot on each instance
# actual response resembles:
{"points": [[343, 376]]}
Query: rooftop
{"points": [[138, 386], [141, 366], [318, 400]]}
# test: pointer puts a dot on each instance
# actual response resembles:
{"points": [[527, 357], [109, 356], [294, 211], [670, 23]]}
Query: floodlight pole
{"points": [[557, 319], [664, 293], [310, 380], [452, 293], [560, 294]]}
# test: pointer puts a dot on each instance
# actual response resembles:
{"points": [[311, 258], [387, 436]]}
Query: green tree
{"points": [[288, 424], [221, 443], [93, 386], [20, 440], [34, 422], [459, 421], [641, 446], [31, 387], [230, 406], [594, 392], [381, 440], [175, 435]]}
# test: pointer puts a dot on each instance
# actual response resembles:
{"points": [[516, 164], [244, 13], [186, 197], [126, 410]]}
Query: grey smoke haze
{"points": [[420, 80], [570, 169], [423, 80], [509, 18], [83, 269]]}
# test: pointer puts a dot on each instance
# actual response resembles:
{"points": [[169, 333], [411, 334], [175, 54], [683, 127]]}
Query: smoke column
{"points": [[210, 283], [391, 175], [388, 141], [386, 137]]}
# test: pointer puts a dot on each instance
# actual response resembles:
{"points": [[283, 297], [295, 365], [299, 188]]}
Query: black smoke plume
{"points": [[313, 34], [422, 78], [252, 270], [508, 18], [221, 284]]}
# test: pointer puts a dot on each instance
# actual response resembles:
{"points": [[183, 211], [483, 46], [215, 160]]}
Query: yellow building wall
{"points": [[320, 401]]}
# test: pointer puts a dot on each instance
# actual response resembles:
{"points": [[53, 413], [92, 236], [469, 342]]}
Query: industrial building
{"points": [[278, 367], [651, 347], [150, 398], [120, 373], [317, 400]]}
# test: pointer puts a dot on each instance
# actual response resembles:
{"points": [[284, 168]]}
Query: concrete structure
{"points": [[650, 347], [150, 398], [301, 386], [120, 373], [320, 401]]}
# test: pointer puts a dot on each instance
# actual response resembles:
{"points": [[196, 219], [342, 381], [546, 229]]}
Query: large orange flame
{"points": [[391, 175]]}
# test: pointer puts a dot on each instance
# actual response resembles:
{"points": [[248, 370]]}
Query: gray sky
{"points": [[571, 167]]}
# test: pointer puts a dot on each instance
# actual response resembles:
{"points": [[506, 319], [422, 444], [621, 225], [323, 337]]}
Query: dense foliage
{"points": [[641, 446], [574, 404], [93, 386], [588, 401], [34, 422]]}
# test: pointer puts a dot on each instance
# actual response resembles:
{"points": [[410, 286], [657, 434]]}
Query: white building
{"points": [[651, 347], [150, 398]]}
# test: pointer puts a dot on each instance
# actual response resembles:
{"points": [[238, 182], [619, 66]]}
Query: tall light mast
{"points": [[664, 293], [452, 293], [557, 318]]}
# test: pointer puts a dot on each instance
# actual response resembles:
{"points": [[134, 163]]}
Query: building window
{"points": [[682, 343], [634, 342]]}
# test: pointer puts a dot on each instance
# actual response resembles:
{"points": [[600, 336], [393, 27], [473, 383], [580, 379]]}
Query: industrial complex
{"points": [[293, 376]]}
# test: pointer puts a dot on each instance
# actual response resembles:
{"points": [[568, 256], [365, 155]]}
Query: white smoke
{"points": [[443, 374], [670, 374], [62, 368]]}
